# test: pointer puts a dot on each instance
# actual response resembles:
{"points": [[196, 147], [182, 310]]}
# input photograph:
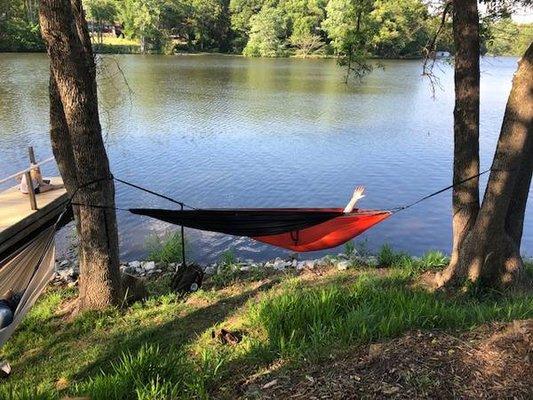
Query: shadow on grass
{"points": [[172, 335]]}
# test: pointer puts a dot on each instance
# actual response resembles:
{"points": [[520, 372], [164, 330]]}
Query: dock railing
{"points": [[27, 173]]}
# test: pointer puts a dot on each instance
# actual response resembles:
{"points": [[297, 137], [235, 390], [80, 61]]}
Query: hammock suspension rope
{"points": [[319, 228]]}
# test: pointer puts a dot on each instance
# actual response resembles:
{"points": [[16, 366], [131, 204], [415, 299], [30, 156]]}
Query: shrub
{"points": [[20, 35]]}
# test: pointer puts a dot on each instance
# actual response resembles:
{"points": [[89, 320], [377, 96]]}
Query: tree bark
{"points": [[79, 149], [490, 253], [492, 250], [465, 197]]}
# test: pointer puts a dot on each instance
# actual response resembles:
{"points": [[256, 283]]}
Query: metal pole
{"points": [[31, 192], [183, 260]]}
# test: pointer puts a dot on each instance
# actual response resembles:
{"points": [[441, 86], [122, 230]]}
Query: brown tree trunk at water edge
{"points": [[465, 197], [490, 252], [79, 149]]}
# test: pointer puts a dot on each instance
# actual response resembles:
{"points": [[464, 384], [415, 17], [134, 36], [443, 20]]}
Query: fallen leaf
{"points": [[270, 384]]}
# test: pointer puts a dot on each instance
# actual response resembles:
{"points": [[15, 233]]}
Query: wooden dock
{"points": [[18, 221]]}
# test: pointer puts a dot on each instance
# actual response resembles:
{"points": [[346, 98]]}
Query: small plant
{"points": [[362, 248], [167, 249], [227, 258], [349, 249], [387, 257], [433, 259]]}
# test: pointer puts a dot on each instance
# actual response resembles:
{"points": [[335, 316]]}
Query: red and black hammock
{"points": [[297, 229]]}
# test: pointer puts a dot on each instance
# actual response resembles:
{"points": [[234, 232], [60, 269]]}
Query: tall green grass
{"points": [[308, 320], [149, 374], [433, 259], [166, 248]]}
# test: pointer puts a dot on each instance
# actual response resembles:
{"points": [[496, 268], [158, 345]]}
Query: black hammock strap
{"points": [[395, 210], [154, 193]]}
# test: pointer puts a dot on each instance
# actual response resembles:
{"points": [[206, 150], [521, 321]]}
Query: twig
{"points": [[429, 62]]}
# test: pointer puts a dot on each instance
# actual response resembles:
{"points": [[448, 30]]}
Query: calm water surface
{"points": [[218, 131]]}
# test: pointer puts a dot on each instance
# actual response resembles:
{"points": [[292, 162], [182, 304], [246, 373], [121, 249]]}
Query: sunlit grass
{"points": [[112, 44], [115, 41]]}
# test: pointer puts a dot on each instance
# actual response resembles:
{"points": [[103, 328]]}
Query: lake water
{"points": [[221, 131]]}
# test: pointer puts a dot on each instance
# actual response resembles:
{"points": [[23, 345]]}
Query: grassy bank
{"points": [[163, 348], [114, 45]]}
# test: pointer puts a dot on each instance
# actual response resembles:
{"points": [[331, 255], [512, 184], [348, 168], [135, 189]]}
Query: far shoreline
{"points": [[221, 54]]}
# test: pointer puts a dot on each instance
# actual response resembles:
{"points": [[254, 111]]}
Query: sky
{"points": [[523, 15]]}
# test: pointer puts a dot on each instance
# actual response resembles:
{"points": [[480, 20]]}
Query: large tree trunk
{"points": [[79, 149], [490, 253], [465, 197]]}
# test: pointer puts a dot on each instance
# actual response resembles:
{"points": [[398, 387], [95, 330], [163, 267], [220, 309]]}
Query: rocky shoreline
{"points": [[67, 270]]}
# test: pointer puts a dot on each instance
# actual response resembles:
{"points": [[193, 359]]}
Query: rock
{"points": [[324, 261], [148, 265], [343, 256], [245, 268], [300, 265], [343, 265], [66, 273], [63, 264], [371, 260], [389, 389], [133, 287], [310, 264], [5, 369], [280, 265], [135, 265], [210, 270], [294, 263]]}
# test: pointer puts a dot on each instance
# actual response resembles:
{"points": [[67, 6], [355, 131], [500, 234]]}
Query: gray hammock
{"points": [[27, 271]]}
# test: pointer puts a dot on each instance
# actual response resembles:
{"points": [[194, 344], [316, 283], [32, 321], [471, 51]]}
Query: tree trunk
{"points": [[142, 44], [79, 149], [490, 253], [465, 197]]}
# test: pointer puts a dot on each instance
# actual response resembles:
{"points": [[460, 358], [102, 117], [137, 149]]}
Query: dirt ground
{"points": [[490, 362]]}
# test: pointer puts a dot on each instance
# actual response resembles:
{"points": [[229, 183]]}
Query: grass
{"points": [[162, 348], [112, 44], [166, 248], [431, 260], [229, 271]]}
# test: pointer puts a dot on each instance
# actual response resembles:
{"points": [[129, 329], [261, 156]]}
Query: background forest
{"points": [[263, 28]]}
